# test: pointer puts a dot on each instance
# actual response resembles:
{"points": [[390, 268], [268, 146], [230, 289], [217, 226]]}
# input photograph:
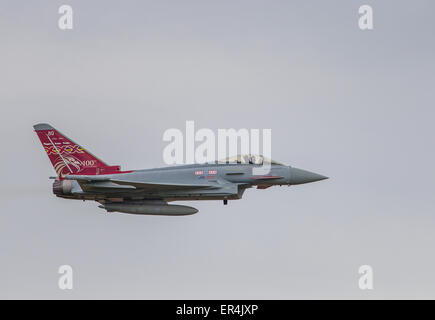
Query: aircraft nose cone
{"points": [[299, 176]]}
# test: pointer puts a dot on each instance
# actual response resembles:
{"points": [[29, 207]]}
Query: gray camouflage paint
{"points": [[227, 181]]}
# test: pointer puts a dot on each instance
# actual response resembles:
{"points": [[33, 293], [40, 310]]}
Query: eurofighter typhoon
{"points": [[83, 176]]}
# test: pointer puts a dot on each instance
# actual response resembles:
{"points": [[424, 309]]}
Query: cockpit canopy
{"points": [[249, 159]]}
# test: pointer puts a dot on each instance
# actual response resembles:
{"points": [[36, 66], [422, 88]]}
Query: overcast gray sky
{"points": [[354, 105]]}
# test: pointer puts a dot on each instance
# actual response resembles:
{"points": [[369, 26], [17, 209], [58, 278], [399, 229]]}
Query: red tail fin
{"points": [[67, 157]]}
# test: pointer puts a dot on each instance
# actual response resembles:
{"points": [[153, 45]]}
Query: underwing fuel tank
{"points": [[150, 209]]}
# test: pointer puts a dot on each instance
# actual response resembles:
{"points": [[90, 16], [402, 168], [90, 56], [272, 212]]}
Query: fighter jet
{"points": [[83, 176]]}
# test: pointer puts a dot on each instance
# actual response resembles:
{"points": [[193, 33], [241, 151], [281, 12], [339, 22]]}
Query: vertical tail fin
{"points": [[66, 156]]}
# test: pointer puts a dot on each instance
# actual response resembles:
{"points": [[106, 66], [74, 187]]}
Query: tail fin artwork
{"points": [[67, 157]]}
